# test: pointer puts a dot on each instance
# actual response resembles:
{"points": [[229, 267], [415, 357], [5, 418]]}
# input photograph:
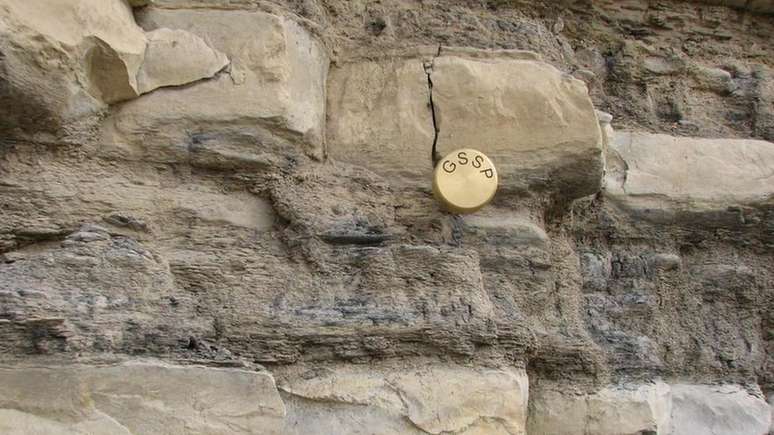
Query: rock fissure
{"points": [[435, 156]]}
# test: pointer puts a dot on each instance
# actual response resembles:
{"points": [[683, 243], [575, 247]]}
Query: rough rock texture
{"points": [[619, 409], [62, 60], [724, 409], [766, 6], [649, 408], [536, 124], [434, 399], [275, 83], [648, 173], [265, 210], [138, 398], [176, 57], [637, 57]]}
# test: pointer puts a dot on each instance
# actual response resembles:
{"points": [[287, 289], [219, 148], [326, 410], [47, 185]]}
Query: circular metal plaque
{"points": [[464, 181]]}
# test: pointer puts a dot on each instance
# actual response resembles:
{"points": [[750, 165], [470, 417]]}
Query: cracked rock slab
{"points": [[537, 124], [138, 398], [379, 116]]}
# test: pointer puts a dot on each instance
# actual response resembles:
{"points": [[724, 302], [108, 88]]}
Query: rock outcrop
{"points": [[177, 57], [151, 397], [64, 62], [434, 399], [501, 103], [715, 410], [275, 85], [138, 398], [719, 173], [649, 408], [619, 409], [199, 197], [668, 179]]}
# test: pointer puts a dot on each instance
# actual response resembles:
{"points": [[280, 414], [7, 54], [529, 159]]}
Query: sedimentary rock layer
{"points": [[216, 217]]}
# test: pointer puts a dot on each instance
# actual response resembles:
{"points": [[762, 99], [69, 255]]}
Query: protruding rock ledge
{"points": [[537, 124], [662, 178], [64, 62], [622, 409], [274, 89], [177, 57], [149, 397]]}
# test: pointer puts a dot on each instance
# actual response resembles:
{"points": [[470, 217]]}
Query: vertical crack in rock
{"points": [[428, 66]]}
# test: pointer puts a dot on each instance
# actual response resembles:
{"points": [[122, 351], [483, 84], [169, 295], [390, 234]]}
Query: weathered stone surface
{"points": [[435, 398], [193, 240], [62, 60], [665, 174], [764, 104], [275, 83], [114, 282], [678, 409], [537, 125], [716, 410], [498, 228], [99, 192], [138, 398], [615, 410], [379, 116], [713, 79], [311, 416], [765, 6], [176, 57], [771, 405], [198, 231], [62, 63]]}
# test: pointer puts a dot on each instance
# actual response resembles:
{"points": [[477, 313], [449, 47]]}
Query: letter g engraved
{"points": [[449, 167]]}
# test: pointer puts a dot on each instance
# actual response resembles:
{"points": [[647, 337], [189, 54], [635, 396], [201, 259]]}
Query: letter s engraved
{"points": [[462, 158], [477, 161]]}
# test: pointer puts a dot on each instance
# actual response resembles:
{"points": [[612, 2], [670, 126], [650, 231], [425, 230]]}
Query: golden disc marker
{"points": [[464, 181]]}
